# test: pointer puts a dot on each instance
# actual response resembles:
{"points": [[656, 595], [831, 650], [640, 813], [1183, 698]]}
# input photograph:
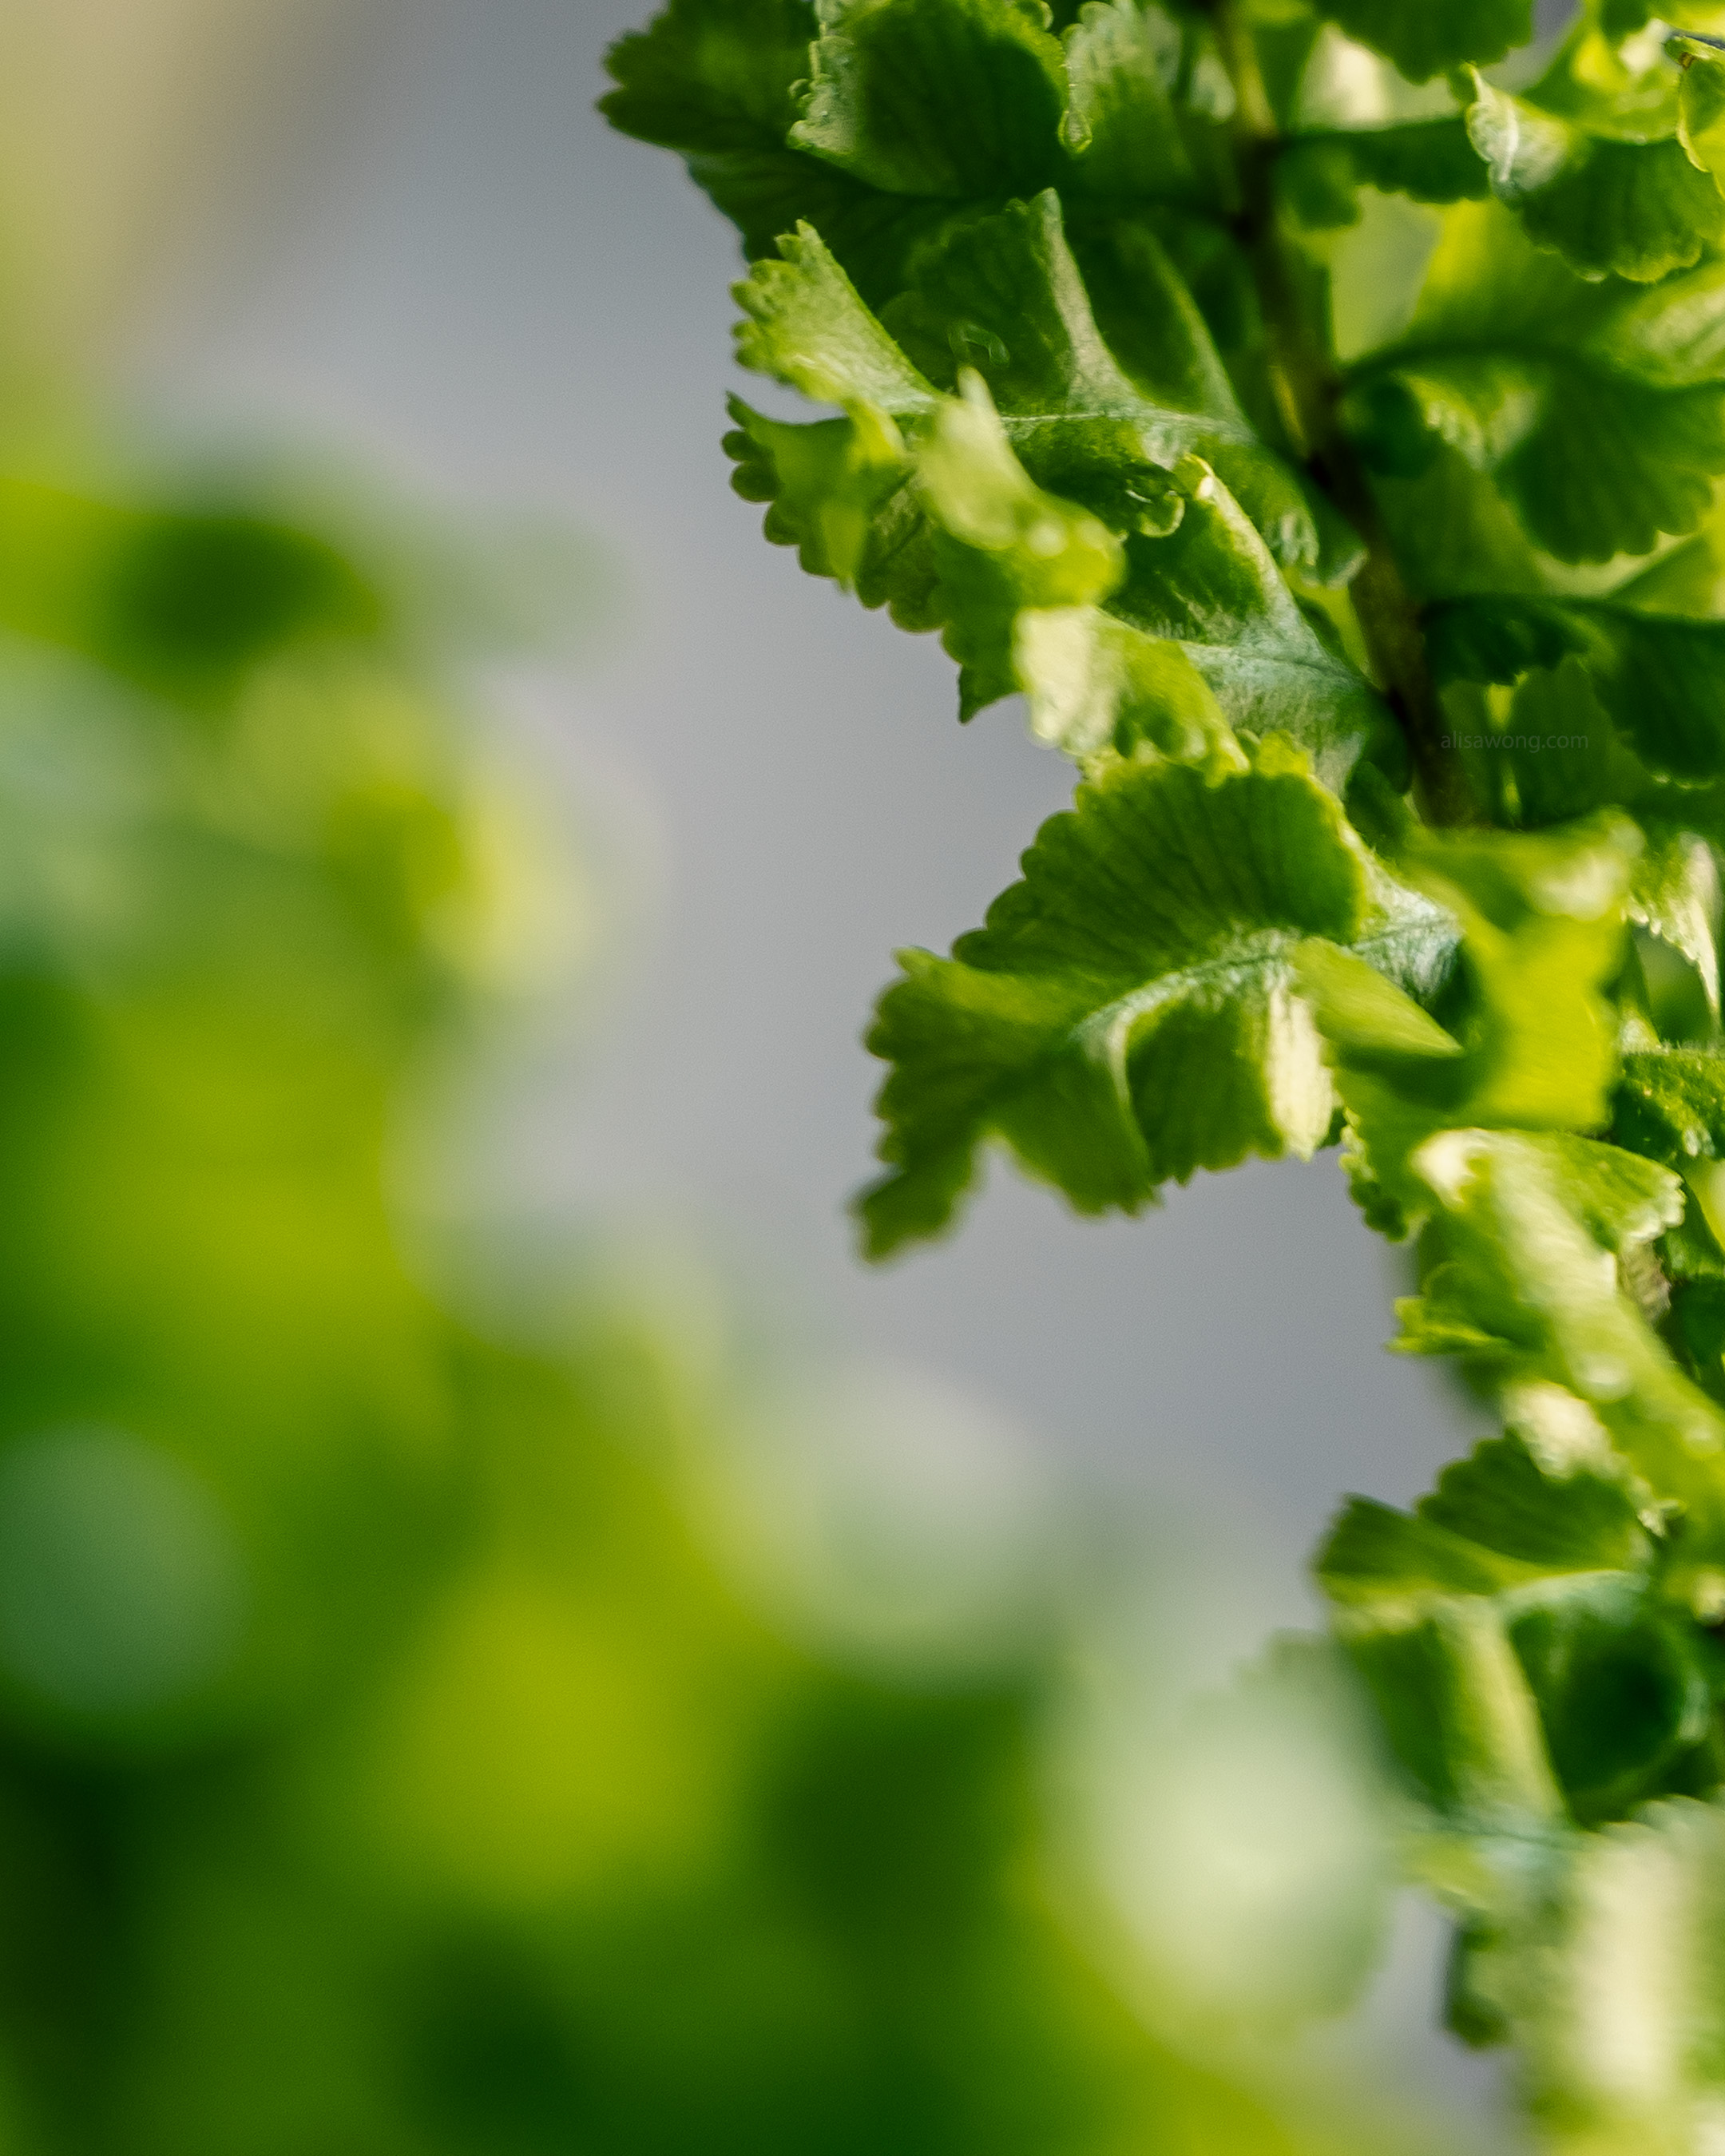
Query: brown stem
{"points": [[1306, 388]]}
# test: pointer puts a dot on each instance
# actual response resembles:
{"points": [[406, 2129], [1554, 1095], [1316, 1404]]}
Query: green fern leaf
{"points": [[1130, 1013], [1116, 501], [1599, 410]]}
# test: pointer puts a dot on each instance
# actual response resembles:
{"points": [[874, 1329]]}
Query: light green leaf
{"points": [[1002, 544], [1425, 38], [1598, 409], [1129, 1013], [1368, 1017], [814, 481], [1528, 1263], [807, 327], [1095, 684], [1688, 578], [829, 483], [1530, 1041]]}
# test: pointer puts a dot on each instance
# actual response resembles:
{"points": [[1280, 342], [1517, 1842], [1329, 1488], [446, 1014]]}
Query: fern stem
{"points": [[1306, 388]]}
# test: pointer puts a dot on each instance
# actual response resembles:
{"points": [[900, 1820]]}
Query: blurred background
{"points": [[511, 1639]]}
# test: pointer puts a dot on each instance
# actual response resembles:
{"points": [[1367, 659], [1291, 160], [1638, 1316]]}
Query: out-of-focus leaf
{"points": [[182, 601], [1426, 38]]}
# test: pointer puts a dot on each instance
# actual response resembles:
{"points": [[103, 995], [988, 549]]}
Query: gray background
{"points": [[464, 281]]}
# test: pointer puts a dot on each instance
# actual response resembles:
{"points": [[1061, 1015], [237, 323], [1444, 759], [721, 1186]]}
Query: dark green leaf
{"points": [[1426, 38], [962, 99], [1429, 161], [718, 82], [1128, 129], [712, 76], [1658, 677]]}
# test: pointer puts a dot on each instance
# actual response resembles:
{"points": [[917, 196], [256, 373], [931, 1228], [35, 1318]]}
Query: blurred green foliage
{"points": [[384, 1764]]}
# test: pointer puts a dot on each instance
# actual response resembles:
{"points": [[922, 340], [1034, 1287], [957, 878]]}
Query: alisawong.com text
{"points": [[1531, 742]]}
